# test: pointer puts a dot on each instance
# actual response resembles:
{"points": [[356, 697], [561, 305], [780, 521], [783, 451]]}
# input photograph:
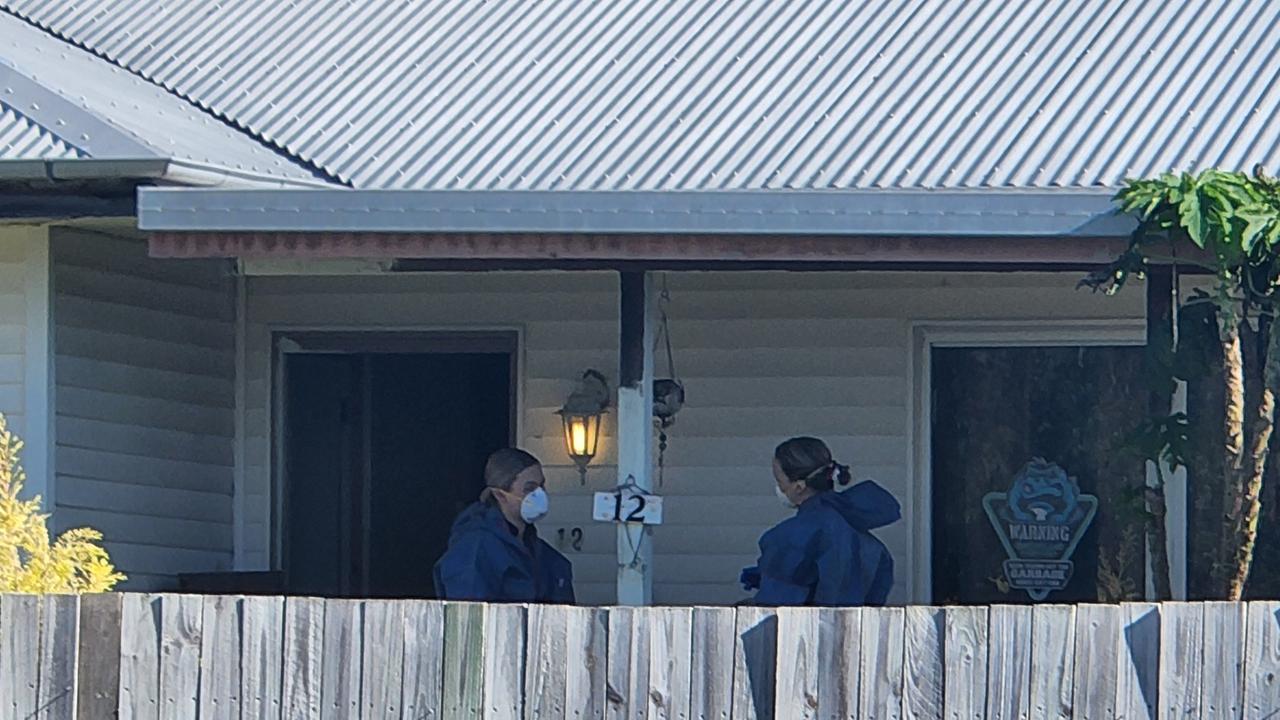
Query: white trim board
{"points": [[929, 334], [1035, 333], [239, 504]]}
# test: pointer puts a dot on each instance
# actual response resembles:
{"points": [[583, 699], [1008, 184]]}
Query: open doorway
{"points": [[384, 443]]}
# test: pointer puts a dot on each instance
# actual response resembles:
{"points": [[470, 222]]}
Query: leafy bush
{"points": [[29, 563]]}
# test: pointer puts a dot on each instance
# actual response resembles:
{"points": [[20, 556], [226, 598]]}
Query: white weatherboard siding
{"points": [[145, 404], [24, 347], [13, 322], [764, 356]]}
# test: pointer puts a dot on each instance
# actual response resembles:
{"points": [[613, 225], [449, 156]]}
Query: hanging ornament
{"points": [[668, 392]]}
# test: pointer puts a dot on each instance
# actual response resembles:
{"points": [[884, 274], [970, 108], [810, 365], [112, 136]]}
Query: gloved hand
{"points": [[750, 578]]}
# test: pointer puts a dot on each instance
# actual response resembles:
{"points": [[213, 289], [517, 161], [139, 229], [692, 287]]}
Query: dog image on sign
{"points": [[1040, 521]]}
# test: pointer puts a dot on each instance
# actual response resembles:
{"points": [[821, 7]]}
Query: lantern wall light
{"points": [[582, 416]]}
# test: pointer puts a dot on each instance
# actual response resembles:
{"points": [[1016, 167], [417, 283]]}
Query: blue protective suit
{"points": [[825, 554], [487, 562]]}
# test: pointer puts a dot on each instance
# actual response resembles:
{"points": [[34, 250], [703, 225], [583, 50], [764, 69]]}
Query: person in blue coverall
{"points": [[495, 554], [825, 554]]}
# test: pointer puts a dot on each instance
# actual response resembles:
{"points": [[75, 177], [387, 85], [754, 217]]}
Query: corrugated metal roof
{"points": [[22, 138], [114, 113], [715, 94]]}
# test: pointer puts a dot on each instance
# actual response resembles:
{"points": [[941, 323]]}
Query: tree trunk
{"points": [[1234, 461], [1259, 449]]}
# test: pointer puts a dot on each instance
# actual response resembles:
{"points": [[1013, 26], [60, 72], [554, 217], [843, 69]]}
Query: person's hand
{"points": [[750, 578]]}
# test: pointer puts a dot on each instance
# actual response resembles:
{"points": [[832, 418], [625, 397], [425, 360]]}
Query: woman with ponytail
{"points": [[825, 554]]}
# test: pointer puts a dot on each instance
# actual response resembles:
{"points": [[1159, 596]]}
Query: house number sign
{"points": [[1040, 521], [628, 504]]}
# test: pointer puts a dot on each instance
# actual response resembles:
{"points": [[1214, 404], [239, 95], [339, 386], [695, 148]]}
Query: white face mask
{"points": [[782, 497], [535, 506]]}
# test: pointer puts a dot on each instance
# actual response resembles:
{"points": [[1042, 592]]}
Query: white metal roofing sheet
{"points": [[715, 94], [131, 116], [936, 213], [20, 138]]}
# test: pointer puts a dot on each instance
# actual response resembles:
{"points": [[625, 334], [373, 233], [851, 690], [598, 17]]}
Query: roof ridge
{"points": [[313, 167]]}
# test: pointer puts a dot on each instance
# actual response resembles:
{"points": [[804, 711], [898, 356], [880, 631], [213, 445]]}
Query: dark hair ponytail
{"points": [[844, 475], [809, 459]]}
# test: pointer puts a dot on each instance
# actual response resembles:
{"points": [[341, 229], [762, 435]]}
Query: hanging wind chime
{"points": [[668, 393]]}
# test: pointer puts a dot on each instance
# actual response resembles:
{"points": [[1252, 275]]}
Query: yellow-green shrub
{"points": [[29, 563]]}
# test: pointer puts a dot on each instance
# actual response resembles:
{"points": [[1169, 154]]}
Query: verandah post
{"points": [[1161, 320], [635, 429]]}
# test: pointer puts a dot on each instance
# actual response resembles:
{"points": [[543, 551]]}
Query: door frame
{"points": [[303, 340], [927, 335]]}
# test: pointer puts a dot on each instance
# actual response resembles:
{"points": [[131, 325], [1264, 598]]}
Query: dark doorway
{"points": [[993, 411], [382, 450]]}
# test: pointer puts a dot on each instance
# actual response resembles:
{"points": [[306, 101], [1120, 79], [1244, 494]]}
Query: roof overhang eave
{"points": [[983, 212]]}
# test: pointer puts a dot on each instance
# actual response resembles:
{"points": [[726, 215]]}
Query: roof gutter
{"points": [[170, 171], [105, 187], [1037, 213]]}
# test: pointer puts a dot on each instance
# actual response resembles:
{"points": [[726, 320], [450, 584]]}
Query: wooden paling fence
{"points": [[187, 656]]}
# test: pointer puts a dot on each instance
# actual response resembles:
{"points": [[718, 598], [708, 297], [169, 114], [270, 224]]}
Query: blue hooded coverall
{"points": [[487, 562], [825, 554]]}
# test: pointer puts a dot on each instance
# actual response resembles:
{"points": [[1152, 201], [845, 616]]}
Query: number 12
{"points": [[636, 515]]}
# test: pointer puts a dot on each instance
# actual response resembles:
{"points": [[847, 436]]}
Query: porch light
{"points": [[581, 437], [581, 416]]}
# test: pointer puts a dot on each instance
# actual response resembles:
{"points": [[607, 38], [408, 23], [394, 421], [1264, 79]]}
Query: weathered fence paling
{"points": [[185, 656]]}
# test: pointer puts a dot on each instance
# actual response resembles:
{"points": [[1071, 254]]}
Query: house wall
{"points": [[145, 399], [13, 322], [764, 356], [25, 365]]}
